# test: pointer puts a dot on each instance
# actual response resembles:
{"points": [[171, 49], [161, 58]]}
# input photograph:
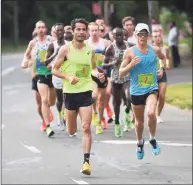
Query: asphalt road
{"points": [[29, 157]]}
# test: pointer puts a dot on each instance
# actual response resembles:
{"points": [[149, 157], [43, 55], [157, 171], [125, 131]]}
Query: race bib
{"points": [[42, 55], [99, 58], [82, 70], [146, 80]]}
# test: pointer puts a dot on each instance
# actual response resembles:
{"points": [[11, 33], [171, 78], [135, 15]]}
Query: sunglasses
{"points": [[142, 34]]}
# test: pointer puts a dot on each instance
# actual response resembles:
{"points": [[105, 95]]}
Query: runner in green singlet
{"points": [[44, 76], [77, 60], [29, 60]]}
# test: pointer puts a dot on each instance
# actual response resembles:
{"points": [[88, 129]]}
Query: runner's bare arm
{"points": [[27, 55], [49, 55], [160, 55], [125, 65], [94, 71], [168, 59], [109, 56], [62, 54]]}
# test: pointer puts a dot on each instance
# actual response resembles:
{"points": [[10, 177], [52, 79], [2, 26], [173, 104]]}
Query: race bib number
{"points": [[42, 55], [82, 70], [99, 58], [146, 80]]}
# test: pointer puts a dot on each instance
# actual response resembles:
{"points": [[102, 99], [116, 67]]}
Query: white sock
{"points": [[140, 142], [151, 137]]}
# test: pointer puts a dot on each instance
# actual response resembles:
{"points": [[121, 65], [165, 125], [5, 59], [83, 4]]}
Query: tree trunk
{"points": [[106, 11], [153, 11], [15, 23]]}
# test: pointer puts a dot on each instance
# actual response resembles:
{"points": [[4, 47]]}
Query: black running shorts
{"points": [[45, 79], [73, 101]]}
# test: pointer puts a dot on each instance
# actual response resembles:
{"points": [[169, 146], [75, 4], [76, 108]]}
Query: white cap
{"points": [[141, 26]]}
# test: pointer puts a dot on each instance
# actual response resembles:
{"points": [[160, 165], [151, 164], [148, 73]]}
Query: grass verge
{"points": [[180, 95]]}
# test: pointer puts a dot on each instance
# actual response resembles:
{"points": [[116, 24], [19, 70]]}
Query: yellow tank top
{"points": [[78, 64], [159, 61]]}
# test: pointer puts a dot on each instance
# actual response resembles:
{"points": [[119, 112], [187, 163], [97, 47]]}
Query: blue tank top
{"points": [[143, 76]]}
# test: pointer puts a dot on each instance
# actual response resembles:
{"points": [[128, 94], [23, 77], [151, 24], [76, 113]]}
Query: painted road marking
{"points": [[124, 142], [31, 148], [3, 126], [8, 70], [79, 181], [25, 161]]}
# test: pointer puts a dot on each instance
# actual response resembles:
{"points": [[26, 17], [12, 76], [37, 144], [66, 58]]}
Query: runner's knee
{"points": [[44, 100], [86, 128], [151, 114], [139, 124]]}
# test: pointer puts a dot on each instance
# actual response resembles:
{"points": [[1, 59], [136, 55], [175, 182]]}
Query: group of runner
{"points": [[79, 67]]}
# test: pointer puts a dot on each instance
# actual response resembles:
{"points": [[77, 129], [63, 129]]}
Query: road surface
{"points": [[29, 157]]}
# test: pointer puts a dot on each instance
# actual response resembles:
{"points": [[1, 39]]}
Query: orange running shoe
{"points": [[109, 111], [109, 114], [104, 123], [51, 117], [43, 126]]}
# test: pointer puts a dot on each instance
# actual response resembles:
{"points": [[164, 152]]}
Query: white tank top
{"points": [[56, 46], [132, 40], [98, 46]]}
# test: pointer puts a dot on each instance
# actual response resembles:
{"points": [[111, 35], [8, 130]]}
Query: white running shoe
{"points": [[73, 135], [159, 120]]}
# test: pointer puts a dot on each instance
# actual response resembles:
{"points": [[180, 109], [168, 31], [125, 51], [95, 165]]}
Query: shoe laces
{"points": [[139, 148], [153, 143]]}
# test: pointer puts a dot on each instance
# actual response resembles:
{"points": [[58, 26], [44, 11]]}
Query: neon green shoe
{"points": [[127, 123], [99, 129], [95, 119], [49, 131], [118, 131]]}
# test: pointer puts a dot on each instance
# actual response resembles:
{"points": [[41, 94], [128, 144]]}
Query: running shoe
{"points": [[104, 123], [118, 131], [99, 129], [95, 119], [86, 170], [109, 111], [43, 126], [159, 120], [140, 150], [127, 123], [51, 117], [49, 131], [155, 147]]}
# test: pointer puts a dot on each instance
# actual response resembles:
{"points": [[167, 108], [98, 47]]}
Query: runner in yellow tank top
{"points": [[157, 41], [78, 63]]}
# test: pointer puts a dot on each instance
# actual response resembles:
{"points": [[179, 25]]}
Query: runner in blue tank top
{"points": [[141, 61]]}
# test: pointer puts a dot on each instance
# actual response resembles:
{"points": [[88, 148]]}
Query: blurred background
{"points": [[18, 17]]}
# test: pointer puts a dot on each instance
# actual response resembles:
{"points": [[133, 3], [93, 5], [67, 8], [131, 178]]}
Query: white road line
{"points": [[79, 181], [31, 148], [3, 126], [8, 70], [25, 161], [123, 142]]}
